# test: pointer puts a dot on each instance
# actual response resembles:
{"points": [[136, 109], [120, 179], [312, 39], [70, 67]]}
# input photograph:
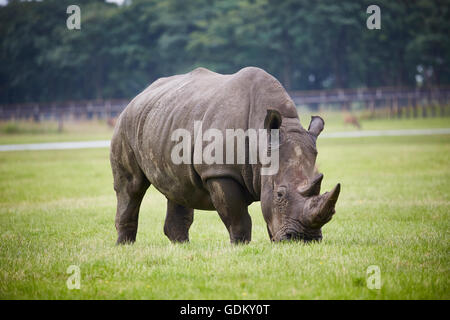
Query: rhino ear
{"points": [[273, 120], [316, 126]]}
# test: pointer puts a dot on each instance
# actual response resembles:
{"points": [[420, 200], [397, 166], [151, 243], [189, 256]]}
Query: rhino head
{"points": [[292, 205]]}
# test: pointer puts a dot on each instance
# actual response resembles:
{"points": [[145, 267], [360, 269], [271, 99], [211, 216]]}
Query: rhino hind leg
{"points": [[130, 185], [178, 221], [229, 200]]}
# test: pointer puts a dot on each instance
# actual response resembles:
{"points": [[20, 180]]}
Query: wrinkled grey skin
{"points": [[251, 98]]}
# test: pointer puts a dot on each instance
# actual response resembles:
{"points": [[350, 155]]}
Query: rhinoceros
{"points": [[141, 155]]}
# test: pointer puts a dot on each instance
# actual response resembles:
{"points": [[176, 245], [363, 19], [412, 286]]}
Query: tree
{"points": [[305, 44]]}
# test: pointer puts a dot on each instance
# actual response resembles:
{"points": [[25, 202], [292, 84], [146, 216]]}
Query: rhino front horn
{"points": [[325, 209]]}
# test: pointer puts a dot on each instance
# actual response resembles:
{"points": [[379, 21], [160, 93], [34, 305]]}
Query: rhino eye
{"points": [[281, 192]]}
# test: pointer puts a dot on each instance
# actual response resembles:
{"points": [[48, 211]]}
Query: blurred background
{"points": [[321, 51]]}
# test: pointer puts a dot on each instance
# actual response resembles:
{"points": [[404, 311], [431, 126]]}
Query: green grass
{"points": [[18, 132], [334, 122], [57, 209]]}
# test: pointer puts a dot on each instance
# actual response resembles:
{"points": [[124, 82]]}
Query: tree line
{"points": [[306, 44]]}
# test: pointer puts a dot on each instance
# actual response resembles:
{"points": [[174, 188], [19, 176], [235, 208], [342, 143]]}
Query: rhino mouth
{"points": [[300, 237], [297, 232]]}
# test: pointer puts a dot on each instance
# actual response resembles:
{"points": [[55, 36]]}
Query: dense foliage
{"points": [[306, 44]]}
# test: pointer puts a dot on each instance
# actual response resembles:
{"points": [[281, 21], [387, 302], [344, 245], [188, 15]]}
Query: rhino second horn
{"points": [[326, 209], [313, 189]]}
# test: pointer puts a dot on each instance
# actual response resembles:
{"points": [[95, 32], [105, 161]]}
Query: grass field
{"points": [[57, 209], [17, 132]]}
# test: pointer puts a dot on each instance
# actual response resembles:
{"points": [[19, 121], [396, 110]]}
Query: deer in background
{"points": [[351, 119]]}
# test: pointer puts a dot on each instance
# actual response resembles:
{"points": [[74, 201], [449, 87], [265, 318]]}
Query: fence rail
{"points": [[89, 109], [392, 101], [377, 96]]}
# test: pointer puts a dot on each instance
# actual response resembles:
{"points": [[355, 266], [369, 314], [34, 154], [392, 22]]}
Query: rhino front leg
{"points": [[229, 200], [178, 222]]}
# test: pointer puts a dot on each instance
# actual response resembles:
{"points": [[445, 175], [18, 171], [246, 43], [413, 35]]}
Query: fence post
{"points": [[36, 114], [414, 107], [60, 120]]}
